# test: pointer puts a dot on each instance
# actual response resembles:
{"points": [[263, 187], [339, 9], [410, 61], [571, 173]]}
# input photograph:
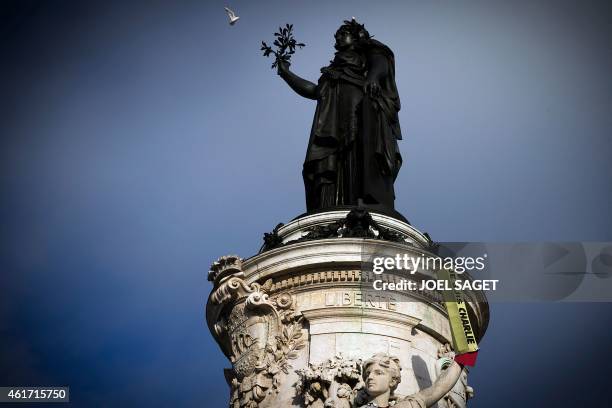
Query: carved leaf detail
{"points": [[267, 285], [271, 366]]}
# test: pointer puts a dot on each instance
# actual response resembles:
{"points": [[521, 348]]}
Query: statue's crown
{"points": [[358, 29]]}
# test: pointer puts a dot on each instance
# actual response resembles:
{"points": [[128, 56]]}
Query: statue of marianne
{"points": [[353, 156]]}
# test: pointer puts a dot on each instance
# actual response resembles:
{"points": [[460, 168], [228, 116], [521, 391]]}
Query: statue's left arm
{"points": [[444, 383], [378, 67]]}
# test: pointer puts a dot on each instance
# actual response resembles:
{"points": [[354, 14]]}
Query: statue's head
{"points": [[350, 34], [381, 374], [344, 391]]}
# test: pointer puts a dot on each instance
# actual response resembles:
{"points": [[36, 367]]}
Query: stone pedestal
{"points": [[298, 320]]}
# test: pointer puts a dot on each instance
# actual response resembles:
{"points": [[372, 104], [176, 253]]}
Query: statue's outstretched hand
{"points": [[283, 67], [371, 88]]}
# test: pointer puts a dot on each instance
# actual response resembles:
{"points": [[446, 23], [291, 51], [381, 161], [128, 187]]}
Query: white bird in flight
{"points": [[232, 16]]}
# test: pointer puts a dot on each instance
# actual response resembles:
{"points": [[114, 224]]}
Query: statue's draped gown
{"points": [[353, 153]]}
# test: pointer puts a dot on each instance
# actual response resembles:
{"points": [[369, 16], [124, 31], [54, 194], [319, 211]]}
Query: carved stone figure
{"points": [[353, 157], [381, 375], [461, 392]]}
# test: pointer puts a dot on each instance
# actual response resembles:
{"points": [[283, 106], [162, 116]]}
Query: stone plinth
{"points": [[298, 320]]}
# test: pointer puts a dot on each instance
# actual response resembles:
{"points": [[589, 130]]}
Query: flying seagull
{"points": [[232, 16]]}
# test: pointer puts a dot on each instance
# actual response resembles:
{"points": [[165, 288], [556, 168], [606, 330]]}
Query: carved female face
{"points": [[344, 40], [378, 380]]}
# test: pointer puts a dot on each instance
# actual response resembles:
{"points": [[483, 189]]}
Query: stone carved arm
{"points": [[300, 85], [440, 388]]}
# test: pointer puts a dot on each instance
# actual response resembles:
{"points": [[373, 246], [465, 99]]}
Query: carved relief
{"points": [[260, 333], [350, 383], [229, 265], [333, 383]]}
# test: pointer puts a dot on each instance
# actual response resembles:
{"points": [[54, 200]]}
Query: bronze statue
{"points": [[353, 156]]}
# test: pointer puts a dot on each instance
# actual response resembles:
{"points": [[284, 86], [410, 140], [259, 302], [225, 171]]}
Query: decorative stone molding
{"points": [[229, 265], [312, 278], [307, 280], [358, 223], [260, 334]]}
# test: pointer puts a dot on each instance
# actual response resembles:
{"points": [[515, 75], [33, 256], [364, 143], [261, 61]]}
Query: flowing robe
{"points": [[352, 152]]}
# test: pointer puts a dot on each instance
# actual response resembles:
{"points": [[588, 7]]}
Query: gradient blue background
{"points": [[141, 140]]}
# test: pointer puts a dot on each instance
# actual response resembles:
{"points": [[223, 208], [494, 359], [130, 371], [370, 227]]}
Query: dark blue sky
{"points": [[141, 140]]}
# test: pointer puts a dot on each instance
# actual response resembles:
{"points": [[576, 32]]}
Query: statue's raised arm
{"points": [[301, 86], [429, 396]]}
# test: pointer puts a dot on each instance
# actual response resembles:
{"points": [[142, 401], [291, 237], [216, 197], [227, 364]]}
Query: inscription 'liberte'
{"points": [[349, 298]]}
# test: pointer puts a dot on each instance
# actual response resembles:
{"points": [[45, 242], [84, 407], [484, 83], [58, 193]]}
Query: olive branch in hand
{"points": [[285, 44]]}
